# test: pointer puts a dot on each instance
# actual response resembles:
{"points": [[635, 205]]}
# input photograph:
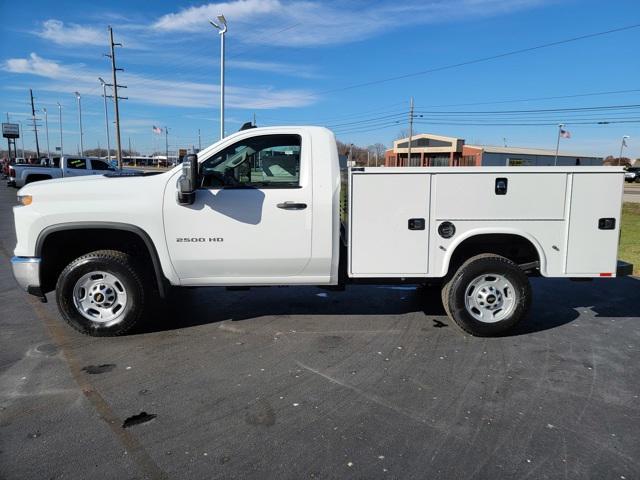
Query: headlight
{"points": [[25, 200]]}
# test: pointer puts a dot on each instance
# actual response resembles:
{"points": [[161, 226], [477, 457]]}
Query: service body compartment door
{"points": [[476, 196], [594, 223], [389, 224]]}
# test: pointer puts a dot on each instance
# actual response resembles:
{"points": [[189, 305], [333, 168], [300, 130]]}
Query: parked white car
{"points": [[269, 206], [58, 167]]}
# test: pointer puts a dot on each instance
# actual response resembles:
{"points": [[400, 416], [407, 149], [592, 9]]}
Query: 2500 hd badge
{"points": [[200, 239]]}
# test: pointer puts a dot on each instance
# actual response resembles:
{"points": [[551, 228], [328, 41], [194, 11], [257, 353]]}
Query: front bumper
{"points": [[26, 271]]}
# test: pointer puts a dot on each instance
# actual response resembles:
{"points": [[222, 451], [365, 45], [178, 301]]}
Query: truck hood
{"points": [[92, 186]]}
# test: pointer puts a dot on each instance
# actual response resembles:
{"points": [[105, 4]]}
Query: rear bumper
{"points": [[26, 271], [624, 269]]}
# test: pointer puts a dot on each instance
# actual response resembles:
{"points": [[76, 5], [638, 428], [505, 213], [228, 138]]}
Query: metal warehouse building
{"points": [[438, 151]]}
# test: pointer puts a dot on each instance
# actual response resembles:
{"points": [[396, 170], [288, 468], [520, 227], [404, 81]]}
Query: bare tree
{"points": [[616, 161], [404, 133]]}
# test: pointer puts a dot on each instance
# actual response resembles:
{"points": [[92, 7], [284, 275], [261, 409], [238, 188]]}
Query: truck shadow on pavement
{"points": [[556, 302]]}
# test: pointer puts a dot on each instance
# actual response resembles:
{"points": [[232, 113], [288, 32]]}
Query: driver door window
{"points": [[99, 165], [264, 161]]}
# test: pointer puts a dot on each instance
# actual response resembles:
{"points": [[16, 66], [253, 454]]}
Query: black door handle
{"points": [[292, 206]]}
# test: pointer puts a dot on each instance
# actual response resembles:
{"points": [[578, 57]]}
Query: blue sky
{"points": [[288, 62]]}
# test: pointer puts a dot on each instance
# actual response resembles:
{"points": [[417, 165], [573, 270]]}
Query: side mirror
{"points": [[188, 180]]}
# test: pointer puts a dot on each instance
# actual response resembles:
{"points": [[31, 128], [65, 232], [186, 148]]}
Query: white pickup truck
{"points": [[58, 167], [269, 206]]}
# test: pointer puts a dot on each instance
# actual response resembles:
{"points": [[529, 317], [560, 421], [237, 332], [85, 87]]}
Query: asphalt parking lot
{"points": [[373, 382]]}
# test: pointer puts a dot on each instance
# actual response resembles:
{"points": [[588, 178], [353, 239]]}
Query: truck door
{"points": [[98, 167], [74, 167], [251, 218]]}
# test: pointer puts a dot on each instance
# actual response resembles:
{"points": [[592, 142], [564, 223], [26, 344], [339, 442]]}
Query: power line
{"points": [[482, 59], [568, 114], [546, 110], [533, 99]]}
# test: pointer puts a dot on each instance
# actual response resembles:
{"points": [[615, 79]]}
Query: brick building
{"points": [[430, 150]]}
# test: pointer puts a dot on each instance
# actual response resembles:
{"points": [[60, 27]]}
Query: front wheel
{"points": [[101, 293], [487, 295]]}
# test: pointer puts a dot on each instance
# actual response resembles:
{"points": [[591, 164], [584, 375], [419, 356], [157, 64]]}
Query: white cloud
{"points": [[308, 22], [35, 65], [72, 34], [197, 17], [153, 91]]}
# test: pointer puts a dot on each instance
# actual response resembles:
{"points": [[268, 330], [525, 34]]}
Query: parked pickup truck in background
{"points": [[58, 167], [270, 206]]}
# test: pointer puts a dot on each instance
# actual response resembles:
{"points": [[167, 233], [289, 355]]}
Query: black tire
{"points": [[458, 291], [129, 278], [444, 293]]}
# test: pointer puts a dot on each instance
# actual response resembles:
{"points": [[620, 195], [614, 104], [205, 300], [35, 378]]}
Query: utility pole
{"points": [[368, 158], [21, 130], [112, 56], [46, 129], [199, 141], [410, 131], [81, 152], [35, 125], [106, 115], [60, 124], [254, 120]]}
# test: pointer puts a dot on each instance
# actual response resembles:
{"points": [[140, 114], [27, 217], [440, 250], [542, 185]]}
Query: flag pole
{"points": [[555, 160]]}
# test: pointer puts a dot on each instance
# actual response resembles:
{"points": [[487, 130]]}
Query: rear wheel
{"points": [[488, 295], [101, 293]]}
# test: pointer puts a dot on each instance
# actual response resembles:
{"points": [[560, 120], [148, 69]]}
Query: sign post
{"points": [[11, 131]]}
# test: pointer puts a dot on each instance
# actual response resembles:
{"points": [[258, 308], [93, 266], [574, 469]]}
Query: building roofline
{"points": [[528, 151]]}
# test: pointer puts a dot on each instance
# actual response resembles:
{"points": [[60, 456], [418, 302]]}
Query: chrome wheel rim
{"points": [[100, 297], [490, 298]]}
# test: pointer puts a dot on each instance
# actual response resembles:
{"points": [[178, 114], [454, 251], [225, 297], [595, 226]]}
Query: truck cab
{"points": [[271, 206]]}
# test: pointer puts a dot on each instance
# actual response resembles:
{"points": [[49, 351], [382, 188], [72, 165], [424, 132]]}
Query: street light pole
{"points": [[80, 123], [60, 124], [166, 143], [106, 117], [221, 31], [46, 129], [622, 145]]}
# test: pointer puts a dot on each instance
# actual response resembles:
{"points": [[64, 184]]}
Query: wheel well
{"points": [[59, 248], [36, 177], [515, 247]]}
